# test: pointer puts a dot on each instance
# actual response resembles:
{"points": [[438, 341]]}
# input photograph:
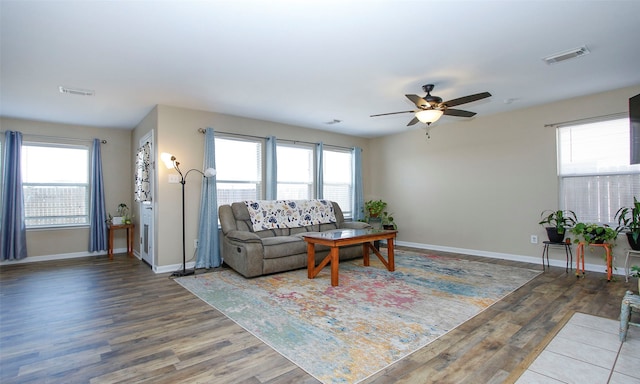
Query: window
{"points": [[55, 182], [338, 178], [295, 172], [239, 169], [596, 178]]}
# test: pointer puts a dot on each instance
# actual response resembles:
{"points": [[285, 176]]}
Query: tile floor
{"points": [[588, 350]]}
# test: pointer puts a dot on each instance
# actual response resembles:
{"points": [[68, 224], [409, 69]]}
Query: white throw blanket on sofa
{"points": [[269, 214]]}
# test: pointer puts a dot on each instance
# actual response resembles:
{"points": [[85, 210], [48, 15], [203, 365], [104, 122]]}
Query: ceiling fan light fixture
{"points": [[429, 116]]}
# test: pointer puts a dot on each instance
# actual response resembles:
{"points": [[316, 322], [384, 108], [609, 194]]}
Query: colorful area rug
{"points": [[374, 318]]}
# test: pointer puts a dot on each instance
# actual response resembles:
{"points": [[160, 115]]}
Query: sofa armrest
{"points": [[243, 251], [243, 236], [355, 225]]}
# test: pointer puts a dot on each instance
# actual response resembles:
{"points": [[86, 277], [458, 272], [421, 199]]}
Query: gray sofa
{"points": [[254, 252]]}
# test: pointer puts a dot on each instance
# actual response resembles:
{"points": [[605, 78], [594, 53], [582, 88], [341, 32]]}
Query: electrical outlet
{"points": [[174, 179], [195, 243], [534, 239]]}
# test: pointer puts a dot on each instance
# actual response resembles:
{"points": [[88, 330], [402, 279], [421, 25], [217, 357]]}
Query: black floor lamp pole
{"points": [[184, 271], [170, 162]]}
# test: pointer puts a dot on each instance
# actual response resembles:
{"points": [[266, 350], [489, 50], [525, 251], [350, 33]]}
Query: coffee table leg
{"points": [[311, 260], [365, 253], [390, 256], [334, 266]]}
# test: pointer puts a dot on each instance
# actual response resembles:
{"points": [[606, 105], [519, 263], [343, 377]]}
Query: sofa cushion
{"points": [[282, 246]]}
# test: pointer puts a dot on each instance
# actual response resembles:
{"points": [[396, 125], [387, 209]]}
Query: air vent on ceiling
{"points": [[76, 91], [571, 54]]}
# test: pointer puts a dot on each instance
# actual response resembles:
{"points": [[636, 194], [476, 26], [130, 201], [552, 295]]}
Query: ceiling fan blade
{"points": [[413, 121], [391, 113], [417, 100], [458, 112], [467, 99]]}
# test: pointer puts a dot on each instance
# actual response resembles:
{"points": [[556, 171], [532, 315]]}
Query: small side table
{"points": [[630, 253], [112, 229], [567, 251], [580, 256]]}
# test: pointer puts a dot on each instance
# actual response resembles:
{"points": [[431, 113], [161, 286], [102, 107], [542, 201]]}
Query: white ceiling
{"points": [[305, 63]]}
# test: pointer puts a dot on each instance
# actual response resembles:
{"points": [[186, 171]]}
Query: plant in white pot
{"points": [[556, 223], [123, 215]]}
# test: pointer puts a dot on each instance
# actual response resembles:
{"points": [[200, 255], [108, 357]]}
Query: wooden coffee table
{"points": [[337, 239]]}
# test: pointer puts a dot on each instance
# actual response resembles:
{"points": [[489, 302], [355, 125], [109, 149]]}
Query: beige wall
{"points": [[481, 184], [117, 160], [177, 133], [476, 185]]}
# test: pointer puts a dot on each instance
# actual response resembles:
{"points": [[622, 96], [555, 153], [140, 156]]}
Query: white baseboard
{"points": [[60, 256], [191, 264], [506, 256], [173, 267]]}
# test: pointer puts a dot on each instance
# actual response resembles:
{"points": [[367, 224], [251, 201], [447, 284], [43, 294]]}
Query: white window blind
{"points": [[596, 177], [295, 171], [337, 177], [238, 169]]}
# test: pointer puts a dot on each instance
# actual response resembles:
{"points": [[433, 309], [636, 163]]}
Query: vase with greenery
{"points": [[629, 222], [590, 233], [557, 222]]}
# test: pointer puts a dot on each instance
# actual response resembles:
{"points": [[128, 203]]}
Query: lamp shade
{"points": [[167, 159], [209, 172], [429, 116]]}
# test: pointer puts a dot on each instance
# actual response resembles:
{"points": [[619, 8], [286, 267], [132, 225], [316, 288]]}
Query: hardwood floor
{"points": [[92, 320]]}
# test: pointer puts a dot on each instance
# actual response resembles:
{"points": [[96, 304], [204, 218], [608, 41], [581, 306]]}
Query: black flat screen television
{"points": [[634, 120]]}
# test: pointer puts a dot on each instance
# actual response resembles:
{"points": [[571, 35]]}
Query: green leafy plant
{"points": [[374, 208], [590, 233], [635, 271], [559, 219], [387, 220], [629, 219]]}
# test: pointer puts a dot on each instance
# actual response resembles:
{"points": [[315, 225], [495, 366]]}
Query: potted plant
{"points": [[590, 233], [387, 221], [123, 215], [372, 212], [557, 223], [374, 208], [629, 221]]}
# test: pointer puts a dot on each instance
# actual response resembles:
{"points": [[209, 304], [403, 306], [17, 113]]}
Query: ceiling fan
{"points": [[431, 108]]}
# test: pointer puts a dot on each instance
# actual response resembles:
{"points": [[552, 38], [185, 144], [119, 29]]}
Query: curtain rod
{"points": [[32, 136], [202, 130], [589, 119]]}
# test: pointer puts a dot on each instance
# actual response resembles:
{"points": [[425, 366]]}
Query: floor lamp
{"points": [[170, 161]]}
